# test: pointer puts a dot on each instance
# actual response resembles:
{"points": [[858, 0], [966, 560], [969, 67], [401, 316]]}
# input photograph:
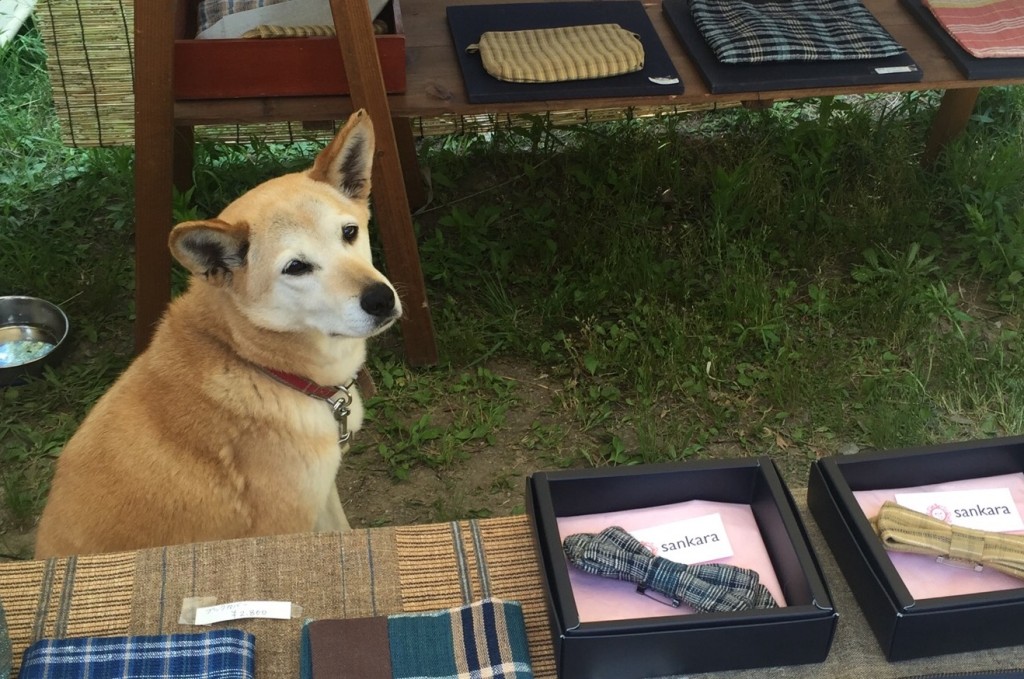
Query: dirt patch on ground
{"points": [[16, 543], [492, 480]]}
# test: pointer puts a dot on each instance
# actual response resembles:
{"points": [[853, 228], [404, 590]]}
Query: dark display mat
{"points": [[971, 66], [468, 22], [726, 78]]}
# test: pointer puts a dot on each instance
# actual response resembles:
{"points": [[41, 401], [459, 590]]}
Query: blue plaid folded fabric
{"points": [[5, 646], [746, 31], [219, 654]]}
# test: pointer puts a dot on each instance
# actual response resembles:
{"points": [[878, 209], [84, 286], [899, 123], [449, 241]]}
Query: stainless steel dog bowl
{"points": [[32, 334]]}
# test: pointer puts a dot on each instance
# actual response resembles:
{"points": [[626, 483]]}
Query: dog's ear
{"points": [[211, 248], [346, 162]]}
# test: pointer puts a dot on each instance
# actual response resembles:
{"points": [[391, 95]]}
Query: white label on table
{"points": [[894, 69], [278, 610], [985, 509], [695, 540]]}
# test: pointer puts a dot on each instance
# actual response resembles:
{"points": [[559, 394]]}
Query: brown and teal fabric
{"points": [[905, 530], [484, 639], [716, 588], [373, 573], [345, 648], [549, 55]]}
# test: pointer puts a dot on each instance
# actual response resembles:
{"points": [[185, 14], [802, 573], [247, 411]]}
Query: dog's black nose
{"points": [[378, 300]]}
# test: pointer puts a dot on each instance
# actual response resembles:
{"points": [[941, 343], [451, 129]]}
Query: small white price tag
{"points": [[696, 540], [990, 509], [236, 610]]}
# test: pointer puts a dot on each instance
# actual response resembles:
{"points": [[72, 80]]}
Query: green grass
{"points": [[65, 220], [780, 282]]}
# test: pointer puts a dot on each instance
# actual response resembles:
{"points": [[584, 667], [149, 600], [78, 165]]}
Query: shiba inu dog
{"points": [[222, 428]]}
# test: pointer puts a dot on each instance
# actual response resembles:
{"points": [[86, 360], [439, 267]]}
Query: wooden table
{"points": [[434, 88]]}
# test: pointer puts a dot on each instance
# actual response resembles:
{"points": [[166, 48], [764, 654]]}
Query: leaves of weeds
{"points": [[731, 283], [465, 411], [752, 267]]}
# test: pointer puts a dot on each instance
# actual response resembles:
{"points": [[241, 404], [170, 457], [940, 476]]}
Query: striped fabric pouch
{"points": [[749, 32], [548, 55], [984, 28]]}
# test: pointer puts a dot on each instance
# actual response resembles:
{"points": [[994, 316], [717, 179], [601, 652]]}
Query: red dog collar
{"points": [[338, 398]]}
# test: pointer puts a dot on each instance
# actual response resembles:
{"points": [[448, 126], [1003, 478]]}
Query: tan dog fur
{"points": [[194, 442]]}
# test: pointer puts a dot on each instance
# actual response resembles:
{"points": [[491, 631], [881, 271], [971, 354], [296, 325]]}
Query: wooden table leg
{"points": [[950, 121], [390, 202], [410, 163], [154, 152], [184, 157]]}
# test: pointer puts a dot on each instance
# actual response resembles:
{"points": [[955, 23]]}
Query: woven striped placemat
{"points": [[368, 573]]}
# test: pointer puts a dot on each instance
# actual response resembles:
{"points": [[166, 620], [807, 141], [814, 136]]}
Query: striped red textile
{"points": [[984, 28]]}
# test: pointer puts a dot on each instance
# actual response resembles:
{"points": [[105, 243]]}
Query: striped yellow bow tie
{"points": [[905, 530]]}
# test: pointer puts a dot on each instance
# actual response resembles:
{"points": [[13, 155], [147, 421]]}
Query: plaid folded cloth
{"points": [[484, 640], [614, 553], [219, 654], [984, 28], [905, 530], [749, 31]]}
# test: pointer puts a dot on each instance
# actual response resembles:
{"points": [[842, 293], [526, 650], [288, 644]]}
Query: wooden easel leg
{"points": [[391, 204], [154, 152], [950, 121]]}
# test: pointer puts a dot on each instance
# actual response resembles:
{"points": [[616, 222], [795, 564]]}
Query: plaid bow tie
{"points": [[904, 530], [614, 553]]}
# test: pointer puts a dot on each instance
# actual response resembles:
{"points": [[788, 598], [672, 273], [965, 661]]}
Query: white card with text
{"points": [[236, 610], [991, 509], [696, 540]]}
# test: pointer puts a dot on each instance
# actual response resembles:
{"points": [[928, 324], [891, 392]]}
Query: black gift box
{"points": [[799, 633], [908, 628]]}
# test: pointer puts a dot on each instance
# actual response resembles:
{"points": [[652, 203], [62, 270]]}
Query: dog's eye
{"points": [[297, 267], [349, 232]]}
